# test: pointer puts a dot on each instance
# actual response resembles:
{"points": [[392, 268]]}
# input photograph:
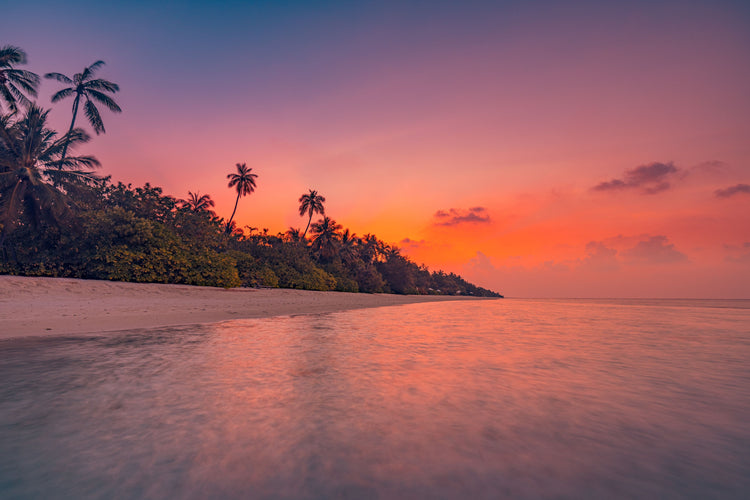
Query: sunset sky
{"points": [[541, 149]]}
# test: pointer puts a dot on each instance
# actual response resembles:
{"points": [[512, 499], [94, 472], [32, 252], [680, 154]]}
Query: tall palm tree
{"points": [[197, 202], [91, 90], [244, 182], [311, 203], [30, 168], [326, 233], [15, 83]]}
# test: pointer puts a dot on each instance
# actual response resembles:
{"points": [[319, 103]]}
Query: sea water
{"points": [[474, 399]]}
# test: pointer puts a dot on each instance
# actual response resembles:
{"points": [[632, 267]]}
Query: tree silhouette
{"points": [[372, 248], [244, 182], [293, 235], [30, 167], [349, 244], [15, 83], [84, 86], [233, 229], [311, 203], [197, 202], [326, 237]]}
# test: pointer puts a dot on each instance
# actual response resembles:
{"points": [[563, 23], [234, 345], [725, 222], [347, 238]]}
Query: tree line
{"points": [[59, 218]]}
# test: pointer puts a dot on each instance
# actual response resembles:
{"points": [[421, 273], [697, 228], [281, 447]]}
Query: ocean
{"points": [[513, 398]]}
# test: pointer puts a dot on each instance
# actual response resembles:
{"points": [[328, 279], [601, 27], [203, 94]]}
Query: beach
{"points": [[32, 306]]}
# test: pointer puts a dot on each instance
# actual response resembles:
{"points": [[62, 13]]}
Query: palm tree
{"points": [[15, 83], [30, 168], [327, 237], [234, 229], [244, 182], [391, 252], [349, 243], [311, 203], [82, 85], [293, 235], [372, 248], [197, 202]]}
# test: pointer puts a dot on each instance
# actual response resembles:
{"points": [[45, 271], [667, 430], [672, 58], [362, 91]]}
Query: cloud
{"points": [[619, 253], [716, 167], [739, 254], [600, 257], [622, 266], [409, 244], [655, 250], [454, 216], [649, 179], [733, 190]]}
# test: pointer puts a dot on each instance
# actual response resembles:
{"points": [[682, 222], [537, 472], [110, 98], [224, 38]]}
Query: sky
{"points": [[541, 149]]}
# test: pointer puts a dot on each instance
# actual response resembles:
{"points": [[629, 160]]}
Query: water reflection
{"points": [[514, 399]]}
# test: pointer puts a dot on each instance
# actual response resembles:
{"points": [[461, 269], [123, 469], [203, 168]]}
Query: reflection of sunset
{"points": [[569, 127], [400, 398]]}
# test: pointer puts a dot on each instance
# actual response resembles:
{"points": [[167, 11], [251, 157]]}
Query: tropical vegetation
{"points": [[83, 86], [244, 183], [59, 218], [16, 85], [310, 204]]}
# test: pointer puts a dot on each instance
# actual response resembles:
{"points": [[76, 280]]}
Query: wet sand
{"points": [[54, 306]]}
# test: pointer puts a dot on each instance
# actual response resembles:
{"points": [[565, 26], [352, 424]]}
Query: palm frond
{"points": [[9, 98], [76, 136], [104, 99], [59, 77], [19, 95], [11, 199], [85, 176], [103, 85], [86, 161], [89, 71], [27, 80], [93, 116], [10, 54], [62, 94]]}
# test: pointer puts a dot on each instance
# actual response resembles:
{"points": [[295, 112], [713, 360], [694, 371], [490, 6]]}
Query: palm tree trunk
{"points": [[72, 124], [233, 211], [308, 226]]}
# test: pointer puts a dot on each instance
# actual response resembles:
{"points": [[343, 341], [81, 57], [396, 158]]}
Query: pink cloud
{"points": [[649, 179], [738, 254], [600, 257], [639, 266], [655, 250], [454, 216], [408, 244], [732, 191]]}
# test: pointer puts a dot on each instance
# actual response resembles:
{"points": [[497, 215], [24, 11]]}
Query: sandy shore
{"points": [[54, 306]]}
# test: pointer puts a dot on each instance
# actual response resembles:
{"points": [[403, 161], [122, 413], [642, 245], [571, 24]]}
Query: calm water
{"points": [[491, 399]]}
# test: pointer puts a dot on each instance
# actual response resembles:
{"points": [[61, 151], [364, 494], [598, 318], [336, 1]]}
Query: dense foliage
{"points": [[118, 232], [58, 218]]}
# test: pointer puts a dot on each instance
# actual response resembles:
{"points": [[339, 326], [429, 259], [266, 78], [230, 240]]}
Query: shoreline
{"points": [[34, 306]]}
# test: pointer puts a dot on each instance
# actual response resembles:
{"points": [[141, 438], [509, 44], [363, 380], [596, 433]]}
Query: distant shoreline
{"points": [[32, 306]]}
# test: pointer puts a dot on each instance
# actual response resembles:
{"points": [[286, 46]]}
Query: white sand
{"points": [[54, 306]]}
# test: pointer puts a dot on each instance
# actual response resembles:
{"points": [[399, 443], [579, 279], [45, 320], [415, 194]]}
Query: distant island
{"points": [[59, 218]]}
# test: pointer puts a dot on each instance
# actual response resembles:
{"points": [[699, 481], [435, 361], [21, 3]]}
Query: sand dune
{"points": [[50, 306]]}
